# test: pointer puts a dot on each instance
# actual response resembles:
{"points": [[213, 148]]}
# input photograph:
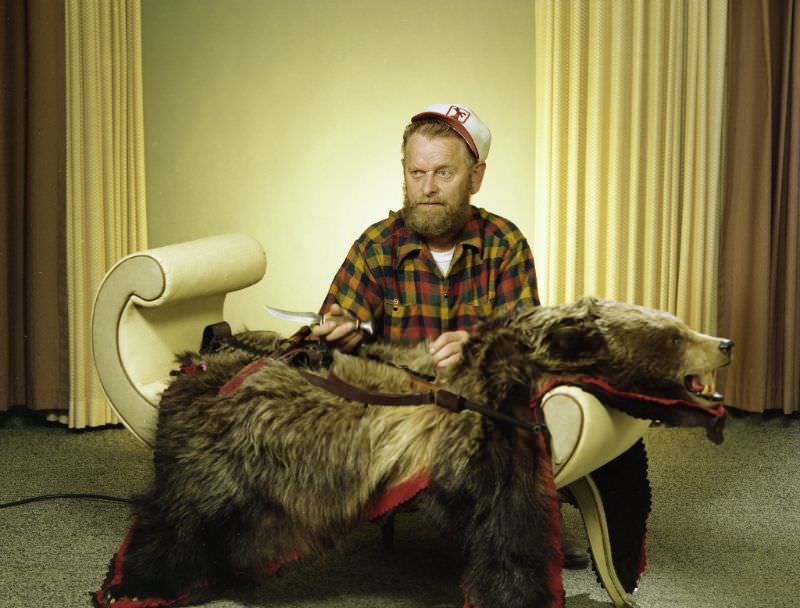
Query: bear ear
{"points": [[574, 341], [587, 307]]}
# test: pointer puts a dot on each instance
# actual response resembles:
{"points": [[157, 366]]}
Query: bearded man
{"points": [[439, 266]]}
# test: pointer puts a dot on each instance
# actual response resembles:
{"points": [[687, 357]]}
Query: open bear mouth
{"points": [[701, 386]]}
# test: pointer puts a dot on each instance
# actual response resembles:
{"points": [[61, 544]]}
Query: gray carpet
{"points": [[723, 532]]}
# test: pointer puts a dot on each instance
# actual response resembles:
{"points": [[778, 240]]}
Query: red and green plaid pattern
{"points": [[390, 278]]}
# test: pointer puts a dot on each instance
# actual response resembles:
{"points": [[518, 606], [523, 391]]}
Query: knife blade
{"points": [[312, 317]]}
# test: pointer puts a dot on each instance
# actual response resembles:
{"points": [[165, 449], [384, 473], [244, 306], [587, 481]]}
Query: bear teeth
{"points": [[702, 385]]}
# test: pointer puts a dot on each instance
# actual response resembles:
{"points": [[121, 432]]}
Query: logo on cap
{"points": [[457, 113]]}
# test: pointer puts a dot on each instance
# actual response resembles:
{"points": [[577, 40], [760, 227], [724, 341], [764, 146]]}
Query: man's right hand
{"points": [[339, 330]]}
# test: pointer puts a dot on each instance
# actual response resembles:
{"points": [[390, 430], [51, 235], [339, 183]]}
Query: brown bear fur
{"points": [[279, 467]]}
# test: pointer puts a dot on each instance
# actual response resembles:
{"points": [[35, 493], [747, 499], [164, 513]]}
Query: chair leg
{"points": [[590, 505]]}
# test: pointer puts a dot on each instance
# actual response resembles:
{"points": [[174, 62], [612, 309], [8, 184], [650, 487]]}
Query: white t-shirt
{"points": [[443, 259]]}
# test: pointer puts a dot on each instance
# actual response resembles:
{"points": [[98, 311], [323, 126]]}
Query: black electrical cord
{"points": [[26, 501]]}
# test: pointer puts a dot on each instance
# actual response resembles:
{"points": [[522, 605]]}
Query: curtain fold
{"points": [[629, 125], [106, 216], [760, 245], [34, 363]]}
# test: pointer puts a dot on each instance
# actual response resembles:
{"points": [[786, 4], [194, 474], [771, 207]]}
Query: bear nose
{"points": [[726, 346]]}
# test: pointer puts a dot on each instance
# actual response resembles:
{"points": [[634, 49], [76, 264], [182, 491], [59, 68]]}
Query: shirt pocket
{"points": [[401, 322], [476, 302]]}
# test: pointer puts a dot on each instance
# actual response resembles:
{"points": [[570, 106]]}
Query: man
{"points": [[438, 267]]}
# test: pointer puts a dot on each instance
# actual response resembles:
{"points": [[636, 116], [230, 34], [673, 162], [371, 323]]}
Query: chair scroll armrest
{"points": [[585, 434], [155, 303]]}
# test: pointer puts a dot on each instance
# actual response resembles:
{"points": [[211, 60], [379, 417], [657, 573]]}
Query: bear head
{"points": [[634, 348]]}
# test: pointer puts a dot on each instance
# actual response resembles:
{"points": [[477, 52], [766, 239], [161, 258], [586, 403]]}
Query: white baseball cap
{"points": [[465, 122]]}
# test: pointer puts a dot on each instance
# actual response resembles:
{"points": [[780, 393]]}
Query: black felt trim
{"points": [[626, 495]]}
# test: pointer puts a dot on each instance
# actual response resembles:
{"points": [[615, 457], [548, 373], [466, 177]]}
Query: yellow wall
{"points": [[282, 119]]}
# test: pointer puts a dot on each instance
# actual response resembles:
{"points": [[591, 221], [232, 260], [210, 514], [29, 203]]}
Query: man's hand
{"points": [[338, 329], [446, 349]]}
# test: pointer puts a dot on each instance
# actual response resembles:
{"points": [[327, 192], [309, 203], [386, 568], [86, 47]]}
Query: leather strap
{"points": [[434, 395], [214, 335]]}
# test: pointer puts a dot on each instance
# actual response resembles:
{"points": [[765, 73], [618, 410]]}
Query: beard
{"points": [[446, 218]]}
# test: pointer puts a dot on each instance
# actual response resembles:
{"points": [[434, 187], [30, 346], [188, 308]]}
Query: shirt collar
{"points": [[410, 242]]}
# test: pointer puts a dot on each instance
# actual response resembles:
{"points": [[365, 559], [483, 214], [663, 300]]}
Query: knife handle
{"points": [[340, 319]]}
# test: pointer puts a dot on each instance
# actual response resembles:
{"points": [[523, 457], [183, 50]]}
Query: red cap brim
{"points": [[457, 126]]}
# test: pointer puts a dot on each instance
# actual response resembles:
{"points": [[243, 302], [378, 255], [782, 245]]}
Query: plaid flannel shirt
{"points": [[389, 277]]}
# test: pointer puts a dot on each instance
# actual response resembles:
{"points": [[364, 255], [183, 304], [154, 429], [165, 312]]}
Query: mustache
{"points": [[429, 201]]}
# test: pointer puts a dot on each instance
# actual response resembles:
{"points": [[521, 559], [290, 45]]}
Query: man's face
{"points": [[438, 184]]}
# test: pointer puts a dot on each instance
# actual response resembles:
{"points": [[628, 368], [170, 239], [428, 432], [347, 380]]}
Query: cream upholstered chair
{"points": [[155, 303]]}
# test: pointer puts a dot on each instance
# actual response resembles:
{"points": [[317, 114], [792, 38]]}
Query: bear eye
{"points": [[677, 340]]}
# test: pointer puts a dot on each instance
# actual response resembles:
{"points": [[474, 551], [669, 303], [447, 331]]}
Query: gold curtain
{"points": [[629, 115], [34, 359], [760, 269], [105, 173]]}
